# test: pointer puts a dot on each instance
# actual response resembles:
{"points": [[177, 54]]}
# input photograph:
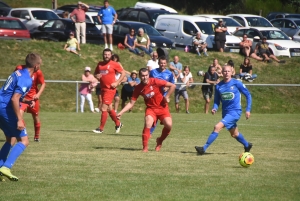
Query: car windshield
{"points": [[297, 23], [156, 13], [44, 15], [207, 27], [147, 28], [229, 22], [258, 22], [275, 35], [95, 19], [11, 24]]}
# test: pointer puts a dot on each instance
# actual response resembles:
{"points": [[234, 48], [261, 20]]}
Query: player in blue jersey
{"points": [[229, 92], [11, 122], [164, 74]]}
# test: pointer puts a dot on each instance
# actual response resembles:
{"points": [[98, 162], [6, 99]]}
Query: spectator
{"points": [[153, 62], [230, 63], [246, 71], [142, 41], [78, 17], [86, 89], [65, 14], [263, 49], [247, 50], [217, 66], [107, 16], [71, 44], [129, 43], [186, 78], [199, 45], [128, 88], [220, 35], [176, 67], [211, 77]]}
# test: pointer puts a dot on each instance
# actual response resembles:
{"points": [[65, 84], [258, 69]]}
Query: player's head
{"points": [[227, 72], [107, 54], [115, 58], [162, 62], [33, 60], [144, 75]]}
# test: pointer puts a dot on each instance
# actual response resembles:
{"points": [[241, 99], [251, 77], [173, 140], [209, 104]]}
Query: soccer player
{"points": [[229, 92], [34, 95], [157, 106], [11, 121], [105, 72]]}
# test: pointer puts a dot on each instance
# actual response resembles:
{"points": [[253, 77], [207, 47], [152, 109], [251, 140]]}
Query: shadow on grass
{"points": [[120, 134], [122, 148], [194, 152], [77, 131]]}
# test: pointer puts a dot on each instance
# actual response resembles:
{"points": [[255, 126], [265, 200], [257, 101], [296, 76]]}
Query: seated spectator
{"points": [[263, 49], [128, 88], [185, 77], [199, 45], [218, 67], [247, 50], [142, 42], [175, 67], [246, 71], [129, 43], [71, 44], [65, 14], [153, 62]]}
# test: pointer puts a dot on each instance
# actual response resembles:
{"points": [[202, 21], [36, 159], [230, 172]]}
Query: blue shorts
{"points": [[8, 123], [230, 118]]}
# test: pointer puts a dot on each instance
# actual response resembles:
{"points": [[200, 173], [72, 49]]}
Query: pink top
{"points": [[86, 88], [79, 14]]}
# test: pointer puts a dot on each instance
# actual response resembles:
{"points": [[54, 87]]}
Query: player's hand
{"points": [[166, 89], [20, 125], [36, 97], [98, 76], [114, 84], [213, 111], [119, 116], [247, 115], [167, 99], [32, 104]]}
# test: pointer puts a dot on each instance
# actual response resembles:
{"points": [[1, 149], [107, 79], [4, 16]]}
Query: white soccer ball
{"points": [[200, 73]]}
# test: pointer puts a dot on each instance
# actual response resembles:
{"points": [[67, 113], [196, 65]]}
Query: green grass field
{"points": [[73, 163]]}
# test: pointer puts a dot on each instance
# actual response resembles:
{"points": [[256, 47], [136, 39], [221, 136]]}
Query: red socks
{"points": [[103, 119], [113, 116], [164, 134], [37, 127], [145, 137]]}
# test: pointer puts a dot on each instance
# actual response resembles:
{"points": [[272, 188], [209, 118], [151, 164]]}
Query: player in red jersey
{"points": [[34, 95], [105, 72], [157, 106]]}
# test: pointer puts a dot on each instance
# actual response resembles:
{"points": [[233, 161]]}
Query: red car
{"points": [[13, 28]]}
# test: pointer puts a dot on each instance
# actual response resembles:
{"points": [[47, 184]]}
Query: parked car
{"points": [[279, 43], [248, 20], [231, 23], [154, 5], [272, 15], [4, 9], [59, 30], [13, 28], [71, 7], [145, 15], [32, 17], [296, 37], [290, 26], [276, 15], [122, 28]]}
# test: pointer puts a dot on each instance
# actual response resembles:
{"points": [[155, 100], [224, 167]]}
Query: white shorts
{"points": [[107, 28]]}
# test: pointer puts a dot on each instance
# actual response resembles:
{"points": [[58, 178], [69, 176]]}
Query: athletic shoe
{"points": [[145, 149], [36, 139], [158, 144], [98, 130], [187, 112], [247, 149], [4, 171], [282, 61], [205, 53], [79, 55], [270, 61], [200, 150], [118, 128], [142, 54]]}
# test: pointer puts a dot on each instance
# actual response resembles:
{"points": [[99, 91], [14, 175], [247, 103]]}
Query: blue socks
{"points": [[153, 128], [210, 140], [4, 152], [15, 152], [240, 138]]}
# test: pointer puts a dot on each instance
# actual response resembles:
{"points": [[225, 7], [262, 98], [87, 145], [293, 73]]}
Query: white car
{"points": [[33, 17], [231, 23], [248, 20], [92, 18], [154, 5], [279, 43]]}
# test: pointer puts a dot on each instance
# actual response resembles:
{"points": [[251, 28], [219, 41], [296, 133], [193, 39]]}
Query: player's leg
{"points": [[117, 101], [82, 100], [150, 118], [113, 116], [167, 122], [36, 119], [240, 138]]}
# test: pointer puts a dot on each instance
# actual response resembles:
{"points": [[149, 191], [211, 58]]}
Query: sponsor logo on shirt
{"points": [[150, 95], [227, 96], [103, 72]]}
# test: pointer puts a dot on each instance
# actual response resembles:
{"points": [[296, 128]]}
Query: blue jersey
{"points": [[107, 15], [166, 75], [230, 95]]}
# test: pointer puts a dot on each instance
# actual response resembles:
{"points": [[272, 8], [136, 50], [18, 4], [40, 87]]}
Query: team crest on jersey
{"points": [[231, 88], [167, 77], [24, 89]]}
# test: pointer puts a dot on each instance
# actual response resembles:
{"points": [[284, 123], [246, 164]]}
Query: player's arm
{"points": [[117, 82], [242, 88], [16, 107], [42, 88], [171, 88], [216, 101], [127, 107]]}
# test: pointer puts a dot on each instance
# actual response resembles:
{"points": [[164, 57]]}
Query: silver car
{"points": [[296, 37], [290, 26]]}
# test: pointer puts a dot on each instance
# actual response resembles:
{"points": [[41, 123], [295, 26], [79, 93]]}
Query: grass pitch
{"points": [[73, 163]]}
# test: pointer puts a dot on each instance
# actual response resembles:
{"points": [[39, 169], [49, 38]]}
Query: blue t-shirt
{"points": [[128, 87], [178, 65], [130, 41], [163, 75], [230, 95], [107, 14]]}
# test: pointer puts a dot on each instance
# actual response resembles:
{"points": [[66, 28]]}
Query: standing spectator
{"points": [[246, 71], [176, 67], [199, 45], [247, 50], [186, 78], [220, 35], [86, 89], [106, 73], [128, 88], [212, 78], [263, 49], [156, 106], [11, 120], [129, 43], [78, 16], [107, 16], [142, 41], [217, 66], [71, 44], [153, 62]]}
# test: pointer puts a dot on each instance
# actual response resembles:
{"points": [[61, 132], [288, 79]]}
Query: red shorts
{"points": [[108, 95], [35, 110], [158, 113]]}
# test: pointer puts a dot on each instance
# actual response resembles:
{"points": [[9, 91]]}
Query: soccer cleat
{"points": [[2, 179], [199, 150], [36, 139], [158, 144], [4, 171], [145, 149], [247, 149], [98, 130], [118, 128]]}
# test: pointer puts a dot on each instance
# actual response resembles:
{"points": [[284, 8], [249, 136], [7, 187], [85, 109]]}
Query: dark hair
{"points": [[65, 14], [115, 56], [32, 59], [142, 70], [162, 58], [247, 58], [105, 1], [186, 67], [230, 63], [107, 50]]}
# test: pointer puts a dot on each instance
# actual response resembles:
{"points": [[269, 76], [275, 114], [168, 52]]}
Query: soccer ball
{"points": [[200, 73], [246, 159]]}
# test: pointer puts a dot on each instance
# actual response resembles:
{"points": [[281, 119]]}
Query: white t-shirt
{"points": [[187, 78], [152, 64]]}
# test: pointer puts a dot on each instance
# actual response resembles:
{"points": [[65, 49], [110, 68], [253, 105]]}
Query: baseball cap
{"points": [[220, 20], [134, 72], [87, 68]]}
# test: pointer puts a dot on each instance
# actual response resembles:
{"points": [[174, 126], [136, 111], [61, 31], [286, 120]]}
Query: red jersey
{"points": [[37, 79], [153, 98], [108, 73]]}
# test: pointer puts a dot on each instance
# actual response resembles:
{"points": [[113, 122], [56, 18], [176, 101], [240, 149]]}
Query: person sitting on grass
{"points": [[263, 49], [71, 44], [247, 50], [246, 71], [199, 45]]}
